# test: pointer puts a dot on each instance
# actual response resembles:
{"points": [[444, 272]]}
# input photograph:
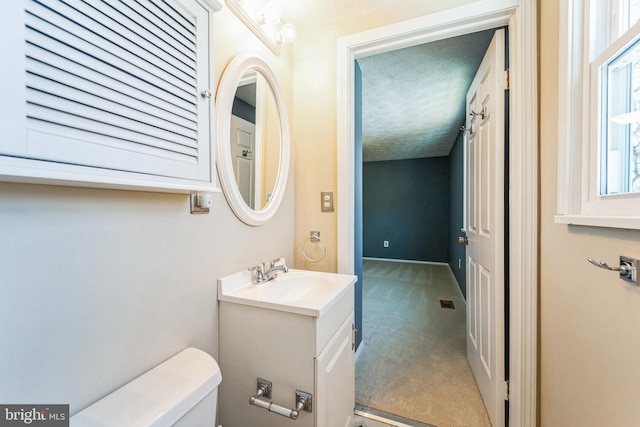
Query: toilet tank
{"points": [[181, 392]]}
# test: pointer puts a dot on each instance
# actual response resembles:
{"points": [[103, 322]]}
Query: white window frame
{"points": [[579, 201]]}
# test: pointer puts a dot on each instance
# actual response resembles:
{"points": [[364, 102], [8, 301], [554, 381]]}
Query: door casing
{"points": [[521, 19]]}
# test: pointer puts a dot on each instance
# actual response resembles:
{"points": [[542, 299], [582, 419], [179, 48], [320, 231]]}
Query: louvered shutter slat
{"points": [[112, 141], [86, 119], [149, 11], [92, 45], [94, 96], [122, 37], [88, 68], [114, 16]]}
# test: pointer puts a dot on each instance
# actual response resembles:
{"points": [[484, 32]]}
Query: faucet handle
{"points": [[258, 272], [274, 261]]}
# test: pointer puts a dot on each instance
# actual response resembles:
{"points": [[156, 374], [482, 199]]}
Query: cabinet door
{"points": [[107, 93], [335, 372]]}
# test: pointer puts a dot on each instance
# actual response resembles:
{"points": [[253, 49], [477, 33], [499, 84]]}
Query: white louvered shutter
{"points": [[116, 86]]}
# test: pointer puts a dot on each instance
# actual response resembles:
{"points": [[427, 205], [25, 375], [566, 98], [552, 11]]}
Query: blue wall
{"points": [[407, 203], [456, 198], [243, 110]]}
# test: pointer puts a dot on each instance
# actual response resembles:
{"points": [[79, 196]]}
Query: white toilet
{"points": [[181, 392]]}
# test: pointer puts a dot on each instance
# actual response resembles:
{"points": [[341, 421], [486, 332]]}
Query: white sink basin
{"points": [[296, 287], [298, 291]]}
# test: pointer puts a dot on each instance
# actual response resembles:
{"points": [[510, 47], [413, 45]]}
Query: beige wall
{"points": [[101, 285], [589, 334], [589, 339], [98, 286], [315, 118]]}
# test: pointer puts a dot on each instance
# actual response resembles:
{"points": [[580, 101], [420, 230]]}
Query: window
{"points": [[106, 93], [599, 120], [619, 122]]}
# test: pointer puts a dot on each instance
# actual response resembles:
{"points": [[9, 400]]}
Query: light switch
{"points": [[326, 201], [200, 203]]}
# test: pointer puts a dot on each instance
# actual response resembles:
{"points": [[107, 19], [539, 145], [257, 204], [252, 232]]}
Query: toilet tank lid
{"points": [[159, 397]]}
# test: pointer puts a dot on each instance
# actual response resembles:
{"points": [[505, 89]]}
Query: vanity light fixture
{"points": [[265, 21]]}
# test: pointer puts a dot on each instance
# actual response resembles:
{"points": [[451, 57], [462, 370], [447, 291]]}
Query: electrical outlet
{"points": [[459, 263], [327, 201], [385, 243]]}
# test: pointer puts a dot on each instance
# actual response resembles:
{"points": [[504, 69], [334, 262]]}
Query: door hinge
{"points": [[354, 336], [504, 389], [507, 83]]}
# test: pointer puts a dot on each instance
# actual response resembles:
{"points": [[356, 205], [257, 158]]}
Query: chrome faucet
{"points": [[273, 270], [267, 270]]}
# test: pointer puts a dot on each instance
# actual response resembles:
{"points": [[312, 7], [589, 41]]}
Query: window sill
{"points": [[625, 222]]}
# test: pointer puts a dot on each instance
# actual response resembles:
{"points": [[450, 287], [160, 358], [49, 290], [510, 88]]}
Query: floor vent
{"points": [[446, 304]]}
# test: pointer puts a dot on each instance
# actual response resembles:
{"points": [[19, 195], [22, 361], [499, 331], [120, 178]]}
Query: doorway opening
{"points": [[412, 363], [521, 19]]}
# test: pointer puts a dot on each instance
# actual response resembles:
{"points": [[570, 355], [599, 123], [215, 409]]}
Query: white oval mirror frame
{"points": [[224, 102]]}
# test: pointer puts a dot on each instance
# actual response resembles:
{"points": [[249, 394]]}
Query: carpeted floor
{"points": [[413, 363]]}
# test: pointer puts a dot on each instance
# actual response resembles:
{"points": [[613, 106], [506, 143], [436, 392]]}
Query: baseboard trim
{"points": [[412, 261], [453, 276]]}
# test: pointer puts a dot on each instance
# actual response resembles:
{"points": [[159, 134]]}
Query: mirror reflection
{"points": [[255, 139]]}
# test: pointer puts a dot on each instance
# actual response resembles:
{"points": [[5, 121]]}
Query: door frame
{"points": [[521, 18]]}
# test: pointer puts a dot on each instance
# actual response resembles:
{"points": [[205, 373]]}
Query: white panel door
{"points": [[243, 140], [485, 229]]}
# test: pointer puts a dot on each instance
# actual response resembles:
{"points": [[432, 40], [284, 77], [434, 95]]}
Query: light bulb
{"points": [[287, 33]]}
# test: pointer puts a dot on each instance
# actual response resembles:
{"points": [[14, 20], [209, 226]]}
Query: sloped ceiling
{"points": [[413, 101]]}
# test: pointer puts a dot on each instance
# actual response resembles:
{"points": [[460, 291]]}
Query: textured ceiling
{"points": [[413, 101], [413, 98]]}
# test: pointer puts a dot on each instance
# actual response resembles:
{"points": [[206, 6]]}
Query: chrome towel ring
{"points": [[314, 237]]}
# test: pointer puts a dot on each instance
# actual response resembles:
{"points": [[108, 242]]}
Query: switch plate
{"points": [[326, 201], [196, 204]]}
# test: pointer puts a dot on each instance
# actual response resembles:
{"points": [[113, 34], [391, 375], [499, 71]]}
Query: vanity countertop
{"points": [[303, 292]]}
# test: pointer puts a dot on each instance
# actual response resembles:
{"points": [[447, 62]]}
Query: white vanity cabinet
{"points": [[295, 351]]}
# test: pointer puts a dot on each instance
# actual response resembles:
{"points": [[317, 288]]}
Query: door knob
{"points": [[463, 240]]}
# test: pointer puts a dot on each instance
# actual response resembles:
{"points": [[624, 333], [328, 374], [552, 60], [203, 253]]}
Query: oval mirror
{"points": [[253, 144]]}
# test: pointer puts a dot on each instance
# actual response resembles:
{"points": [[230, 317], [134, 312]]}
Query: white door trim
{"points": [[520, 16]]}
